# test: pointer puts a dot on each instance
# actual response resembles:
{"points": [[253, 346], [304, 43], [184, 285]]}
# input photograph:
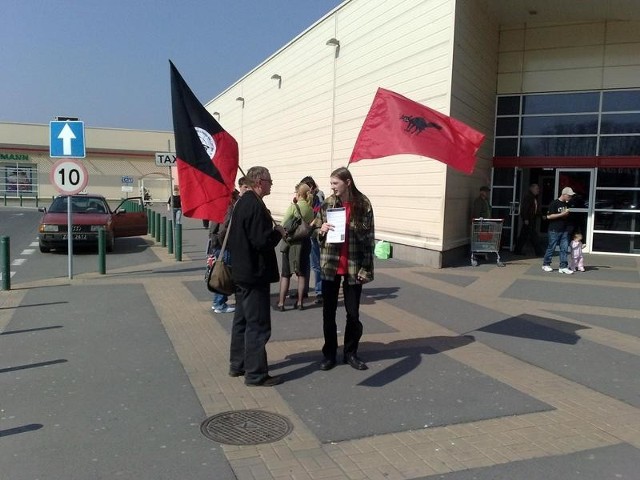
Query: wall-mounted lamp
{"points": [[277, 77], [240, 99], [217, 115], [334, 42]]}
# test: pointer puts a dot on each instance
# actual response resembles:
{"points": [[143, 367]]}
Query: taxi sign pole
{"points": [[168, 159]]}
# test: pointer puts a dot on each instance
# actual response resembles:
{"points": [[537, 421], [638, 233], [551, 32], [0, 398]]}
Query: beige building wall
{"points": [[111, 154], [570, 56], [307, 122], [473, 93]]}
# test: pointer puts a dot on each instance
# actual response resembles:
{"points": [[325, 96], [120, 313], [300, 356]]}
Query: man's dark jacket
{"points": [[530, 209], [252, 242]]}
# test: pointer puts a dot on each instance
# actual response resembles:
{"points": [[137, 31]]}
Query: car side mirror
{"points": [[42, 209]]}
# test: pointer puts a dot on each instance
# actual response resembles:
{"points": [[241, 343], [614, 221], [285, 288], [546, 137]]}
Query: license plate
{"points": [[76, 236]]}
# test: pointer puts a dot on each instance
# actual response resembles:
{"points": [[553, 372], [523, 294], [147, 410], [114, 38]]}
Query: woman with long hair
{"points": [[348, 263], [296, 258]]}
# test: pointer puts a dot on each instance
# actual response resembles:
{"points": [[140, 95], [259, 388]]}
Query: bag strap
{"points": [[299, 212], [226, 235]]}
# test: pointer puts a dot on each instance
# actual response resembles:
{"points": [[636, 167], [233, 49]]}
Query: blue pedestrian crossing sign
{"points": [[66, 139]]}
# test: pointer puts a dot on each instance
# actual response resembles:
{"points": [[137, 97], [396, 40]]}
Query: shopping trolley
{"points": [[485, 238]]}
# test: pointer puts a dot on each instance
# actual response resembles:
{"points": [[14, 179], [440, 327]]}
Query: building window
{"points": [[572, 124], [18, 180]]}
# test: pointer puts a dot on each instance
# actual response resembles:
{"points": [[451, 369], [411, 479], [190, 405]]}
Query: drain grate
{"points": [[246, 427]]}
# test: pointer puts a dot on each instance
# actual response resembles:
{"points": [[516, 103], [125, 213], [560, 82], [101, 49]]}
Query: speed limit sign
{"points": [[69, 176]]}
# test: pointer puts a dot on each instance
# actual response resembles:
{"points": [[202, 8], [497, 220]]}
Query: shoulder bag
{"points": [[302, 230], [219, 275]]}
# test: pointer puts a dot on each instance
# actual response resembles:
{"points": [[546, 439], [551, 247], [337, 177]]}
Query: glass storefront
{"points": [[583, 127], [17, 179]]}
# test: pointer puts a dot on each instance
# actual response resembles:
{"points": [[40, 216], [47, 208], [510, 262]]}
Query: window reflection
{"points": [[617, 199], [605, 242], [619, 146], [620, 123], [561, 103], [560, 125], [558, 147], [617, 221], [624, 100], [618, 177]]}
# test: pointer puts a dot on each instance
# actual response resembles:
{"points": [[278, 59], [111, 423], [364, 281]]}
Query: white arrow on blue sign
{"points": [[66, 139]]}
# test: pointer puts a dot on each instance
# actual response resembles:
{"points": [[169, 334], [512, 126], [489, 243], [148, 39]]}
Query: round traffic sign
{"points": [[69, 176]]}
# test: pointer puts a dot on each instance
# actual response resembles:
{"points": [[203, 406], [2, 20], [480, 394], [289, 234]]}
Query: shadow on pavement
{"points": [[536, 328], [408, 351]]}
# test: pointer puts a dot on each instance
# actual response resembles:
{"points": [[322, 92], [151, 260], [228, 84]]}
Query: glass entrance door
{"points": [[505, 203], [581, 180]]}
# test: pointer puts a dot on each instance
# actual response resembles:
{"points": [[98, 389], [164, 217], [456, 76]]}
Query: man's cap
{"points": [[484, 188], [568, 191]]}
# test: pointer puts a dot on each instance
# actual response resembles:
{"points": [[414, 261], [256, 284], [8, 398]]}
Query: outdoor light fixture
{"points": [[277, 77], [216, 114], [334, 42], [240, 99]]}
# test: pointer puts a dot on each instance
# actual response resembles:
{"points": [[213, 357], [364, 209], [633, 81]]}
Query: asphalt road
{"points": [[29, 264]]}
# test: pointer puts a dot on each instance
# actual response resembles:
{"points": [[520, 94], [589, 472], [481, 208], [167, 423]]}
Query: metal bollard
{"points": [[5, 199], [20, 200], [157, 230], [5, 245], [163, 231], [170, 234], [102, 251], [178, 242], [152, 222]]}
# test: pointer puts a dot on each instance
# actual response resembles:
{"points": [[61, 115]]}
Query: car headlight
{"points": [[49, 228]]}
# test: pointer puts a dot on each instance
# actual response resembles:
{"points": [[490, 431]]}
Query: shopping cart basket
{"points": [[485, 238]]}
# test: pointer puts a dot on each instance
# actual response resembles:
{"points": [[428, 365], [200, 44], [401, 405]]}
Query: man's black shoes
{"points": [[327, 364], [355, 362], [268, 381]]}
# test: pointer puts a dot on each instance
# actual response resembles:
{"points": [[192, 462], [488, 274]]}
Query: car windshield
{"points": [[79, 205]]}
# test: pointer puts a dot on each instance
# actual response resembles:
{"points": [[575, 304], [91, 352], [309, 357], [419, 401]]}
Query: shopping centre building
{"points": [[120, 163], [554, 85]]}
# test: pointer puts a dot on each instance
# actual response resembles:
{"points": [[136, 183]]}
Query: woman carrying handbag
{"points": [[295, 258]]}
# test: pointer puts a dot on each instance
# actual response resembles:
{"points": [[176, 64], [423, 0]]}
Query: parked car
{"points": [[90, 213]]}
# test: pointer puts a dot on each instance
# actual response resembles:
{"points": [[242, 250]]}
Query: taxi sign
{"points": [[165, 159]]}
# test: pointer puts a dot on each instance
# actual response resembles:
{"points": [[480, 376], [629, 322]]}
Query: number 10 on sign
{"points": [[69, 176]]}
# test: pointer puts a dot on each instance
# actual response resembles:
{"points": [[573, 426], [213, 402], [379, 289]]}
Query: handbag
{"points": [[219, 274], [301, 230]]}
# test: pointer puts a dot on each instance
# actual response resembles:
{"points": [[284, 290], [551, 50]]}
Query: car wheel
{"points": [[44, 249], [110, 243]]}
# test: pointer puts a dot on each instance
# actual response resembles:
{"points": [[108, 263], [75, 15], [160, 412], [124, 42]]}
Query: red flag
{"points": [[396, 125], [207, 156]]}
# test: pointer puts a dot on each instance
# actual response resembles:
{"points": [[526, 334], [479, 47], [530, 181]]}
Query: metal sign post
{"points": [[168, 159], [69, 176]]}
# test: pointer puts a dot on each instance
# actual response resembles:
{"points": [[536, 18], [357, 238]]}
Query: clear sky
{"points": [[107, 61]]}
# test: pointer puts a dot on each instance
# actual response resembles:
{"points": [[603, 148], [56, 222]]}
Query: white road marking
{"points": [[18, 262], [27, 251]]}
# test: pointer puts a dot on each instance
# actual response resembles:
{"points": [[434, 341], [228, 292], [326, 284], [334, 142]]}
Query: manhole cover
{"points": [[246, 427]]}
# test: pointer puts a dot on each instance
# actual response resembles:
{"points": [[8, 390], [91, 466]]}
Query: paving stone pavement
{"points": [[443, 331]]}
